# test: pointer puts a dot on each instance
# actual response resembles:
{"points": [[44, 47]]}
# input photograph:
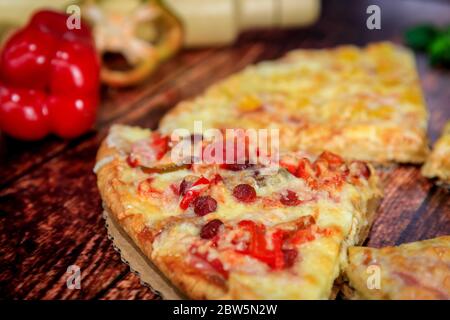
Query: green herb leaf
{"points": [[421, 36], [439, 50]]}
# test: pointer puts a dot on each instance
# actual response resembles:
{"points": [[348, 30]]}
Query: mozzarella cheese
{"points": [[342, 209], [417, 270], [362, 103]]}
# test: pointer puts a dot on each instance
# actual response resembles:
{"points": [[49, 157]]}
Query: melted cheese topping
{"points": [[417, 270], [361, 103], [341, 209]]}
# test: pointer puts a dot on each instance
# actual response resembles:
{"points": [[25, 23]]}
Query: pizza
{"points": [[237, 229], [361, 103], [417, 270], [438, 163]]}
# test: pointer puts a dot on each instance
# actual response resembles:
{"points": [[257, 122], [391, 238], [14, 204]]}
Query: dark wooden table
{"points": [[50, 210]]}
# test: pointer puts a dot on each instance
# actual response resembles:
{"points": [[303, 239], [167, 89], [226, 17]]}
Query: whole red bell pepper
{"points": [[49, 79]]}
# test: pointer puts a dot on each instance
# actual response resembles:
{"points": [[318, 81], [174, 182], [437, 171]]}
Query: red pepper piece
{"points": [[160, 144], [193, 193], [201, 180], [188, 198], [276, 258], [304, 169], [257, 246], [302, 236], [278, 261], [132, 161], [292, 168], [218, 266]]}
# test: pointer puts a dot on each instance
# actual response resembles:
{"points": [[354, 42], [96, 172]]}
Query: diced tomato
{"points": [[278, 261], [257, 247], [304, 169], [320, 167], [332, 159], [160, 144], [201, 180], [302, 236], [132, 161], [192, 193], [246, 224], [188, 198], [280, 255], [216, 179], [305, 222], [292, 168]]}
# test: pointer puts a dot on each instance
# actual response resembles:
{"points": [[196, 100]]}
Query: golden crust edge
{"points": [[418, 155], [195, 287], [351, 292], [133, 224], [107, 182]]}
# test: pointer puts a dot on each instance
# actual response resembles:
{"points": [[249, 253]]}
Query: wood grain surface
{"points": [[50, 209]]}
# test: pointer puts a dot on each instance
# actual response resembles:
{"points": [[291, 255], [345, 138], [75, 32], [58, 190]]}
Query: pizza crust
{"points": [[438, 162], [416, 270], [368, 107], [108, 181], [114, 191]]}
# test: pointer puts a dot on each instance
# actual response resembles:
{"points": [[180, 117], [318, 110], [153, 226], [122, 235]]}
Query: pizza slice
{"points": [[239, 229], [361, 103], [438, 162], [417, 270]]}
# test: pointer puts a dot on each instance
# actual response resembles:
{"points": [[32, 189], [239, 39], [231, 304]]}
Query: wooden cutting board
{"points": [[50, 209]]}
